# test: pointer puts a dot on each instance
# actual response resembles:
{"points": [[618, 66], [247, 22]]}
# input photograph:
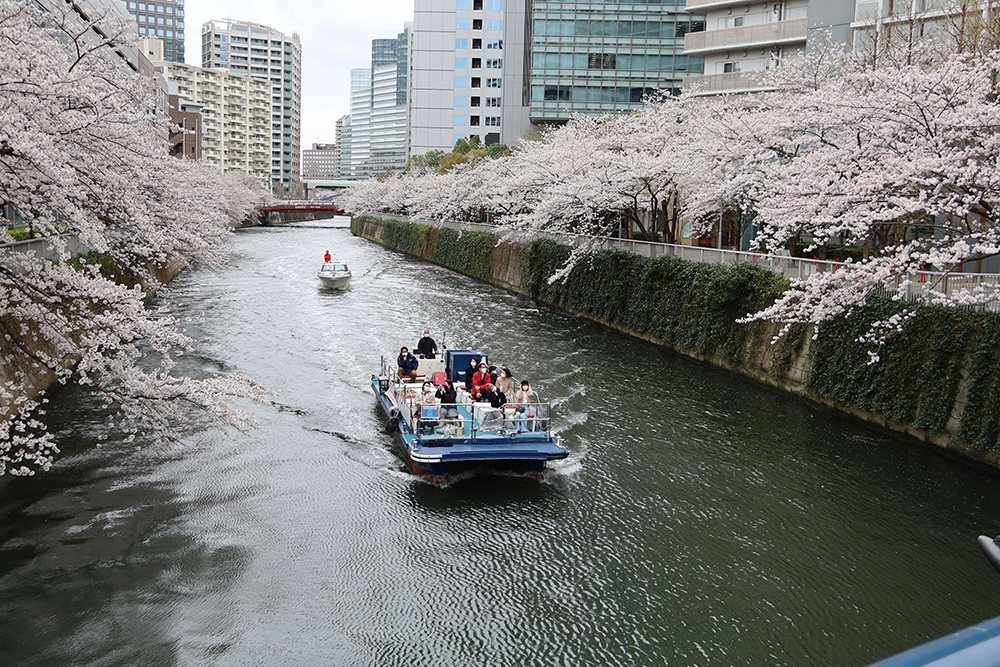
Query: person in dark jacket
{"points": [[469, 372], [426, 347], [448, 396], [489, 393], [407, 364]]}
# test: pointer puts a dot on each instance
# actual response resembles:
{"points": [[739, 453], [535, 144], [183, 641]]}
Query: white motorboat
{"points": [[334, 274]]}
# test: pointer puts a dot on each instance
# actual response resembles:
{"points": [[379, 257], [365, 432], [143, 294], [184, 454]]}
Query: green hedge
{"points": [[405, 236], [688, 304], [471, 253]]}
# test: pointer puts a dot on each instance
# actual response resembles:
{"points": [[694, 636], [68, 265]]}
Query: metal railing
{"points": [[920, 288]]}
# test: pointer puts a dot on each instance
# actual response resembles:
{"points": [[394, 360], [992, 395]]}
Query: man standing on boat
{"points": [[326, 257], [407, 364], [426, 347]]}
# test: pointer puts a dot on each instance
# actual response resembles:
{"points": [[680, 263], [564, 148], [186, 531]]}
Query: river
{"points": [[700, 520]]}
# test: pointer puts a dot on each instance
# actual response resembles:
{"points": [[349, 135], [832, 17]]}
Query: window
{"points": [[494, 24], [459, 120], [493, 121], [476, 82], [494, 63], [729, 68], [492, 83], [477, 63], [492, 101], [461, 43], [456, 137], [474, 102], [601, 61], [477, 43], [474, 121], [477, 5], [495, 5], [494, 44], [461, 24], [460, 82], [461, 4], [459, 100], [477, 24], [461, 62], [734, 21]]}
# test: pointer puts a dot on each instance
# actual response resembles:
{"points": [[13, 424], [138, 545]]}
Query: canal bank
{"points": [[938, 381]]}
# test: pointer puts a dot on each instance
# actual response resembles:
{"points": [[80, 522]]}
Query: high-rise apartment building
{"points": [[343, 146], [320, 161], [236, 115], [739, 37], [468, 73], [164, 20], [394, 52], [372, 139], [361, 114], [606, 57], [265, 53]]}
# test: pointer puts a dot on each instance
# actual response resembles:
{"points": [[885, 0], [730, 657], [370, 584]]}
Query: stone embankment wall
{"points": [[938, 380]]}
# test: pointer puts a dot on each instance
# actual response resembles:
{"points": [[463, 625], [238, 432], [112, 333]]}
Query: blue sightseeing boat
{"points": [[441, 440]]}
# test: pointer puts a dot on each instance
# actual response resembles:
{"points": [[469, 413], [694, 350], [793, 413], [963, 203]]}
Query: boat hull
{"points": [[338, 281]]}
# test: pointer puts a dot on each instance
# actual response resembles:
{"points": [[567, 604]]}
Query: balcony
{"points": [[760, 35], [718, 84], [699, 6]]}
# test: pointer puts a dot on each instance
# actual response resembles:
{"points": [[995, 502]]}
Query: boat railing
{"points": [[474, 420]]}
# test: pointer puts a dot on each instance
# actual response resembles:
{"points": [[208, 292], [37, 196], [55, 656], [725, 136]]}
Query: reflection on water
{"points": [[700, 519]]}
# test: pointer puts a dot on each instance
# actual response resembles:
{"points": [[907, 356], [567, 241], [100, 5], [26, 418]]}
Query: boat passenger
{"points": [[523, 399], [448, 396], [326, 257], [426, 397], [490, 393], [480, 378], [505, 383], [407, 364], [426, 347], [469, 372]]}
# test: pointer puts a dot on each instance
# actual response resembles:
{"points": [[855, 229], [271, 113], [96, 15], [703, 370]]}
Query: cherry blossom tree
{"points": [[897, 154], [83, 155]]}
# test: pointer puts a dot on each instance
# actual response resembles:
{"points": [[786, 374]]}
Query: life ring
{"points": [[409, 393]]}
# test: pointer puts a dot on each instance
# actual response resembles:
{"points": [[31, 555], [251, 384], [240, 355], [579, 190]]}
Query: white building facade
{"points": [[236, 115], [741, 37], [468, 74], [265, 53]]}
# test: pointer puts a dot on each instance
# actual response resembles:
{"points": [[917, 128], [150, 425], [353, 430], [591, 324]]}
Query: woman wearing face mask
{"points": [[524, 397], [505, 383]]}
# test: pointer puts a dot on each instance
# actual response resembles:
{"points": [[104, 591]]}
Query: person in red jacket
{"points": [[326, 257], [481, 377]]}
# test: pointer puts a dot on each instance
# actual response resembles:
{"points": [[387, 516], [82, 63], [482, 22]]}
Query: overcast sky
{"points": [[336, 37]]}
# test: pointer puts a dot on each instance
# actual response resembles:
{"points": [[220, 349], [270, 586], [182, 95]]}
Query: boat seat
{"points": [[439, 378]]}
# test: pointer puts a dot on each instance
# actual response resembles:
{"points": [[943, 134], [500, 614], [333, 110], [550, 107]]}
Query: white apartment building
{"points": [[236, 115], [741, 36], [468, 74], [265, 53], [894, 21]]}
